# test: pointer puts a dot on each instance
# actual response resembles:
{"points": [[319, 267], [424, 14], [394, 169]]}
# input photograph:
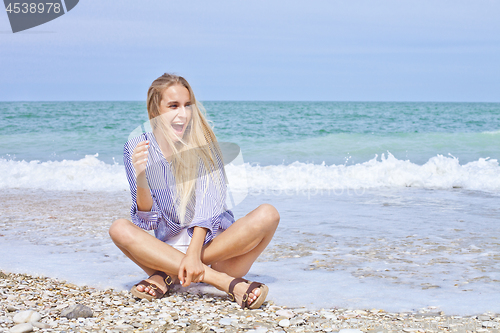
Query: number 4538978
{"points": [[33, 8]]}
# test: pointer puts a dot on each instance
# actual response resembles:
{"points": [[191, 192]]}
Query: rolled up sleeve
{"points": [[145, 220]]}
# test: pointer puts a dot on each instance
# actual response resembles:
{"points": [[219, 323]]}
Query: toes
{"points": [[253, 296], [145, 289], [150, 291]]}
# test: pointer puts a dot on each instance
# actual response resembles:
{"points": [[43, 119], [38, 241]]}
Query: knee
{"points": [[120, 231], [269, 215]]}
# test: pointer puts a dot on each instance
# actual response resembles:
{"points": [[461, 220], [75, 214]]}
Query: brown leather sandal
{"points": [[244, 304], [158, 292]]}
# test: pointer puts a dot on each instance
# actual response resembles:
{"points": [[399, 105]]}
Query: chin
{"points": [[176, 139]]}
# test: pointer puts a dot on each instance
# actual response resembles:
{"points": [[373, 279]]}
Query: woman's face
{"points": [[175, 110]]}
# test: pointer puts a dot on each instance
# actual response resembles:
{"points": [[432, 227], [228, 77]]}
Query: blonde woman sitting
{"points": [[178, 187]]}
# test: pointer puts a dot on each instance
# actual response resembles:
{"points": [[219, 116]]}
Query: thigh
{"points": [[236, 249]]}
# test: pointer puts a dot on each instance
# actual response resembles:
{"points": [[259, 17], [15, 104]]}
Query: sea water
{"points": [[388, 205]]}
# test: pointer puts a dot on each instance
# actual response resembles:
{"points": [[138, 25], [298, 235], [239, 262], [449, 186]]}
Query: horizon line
{"points": [[263, 101]]}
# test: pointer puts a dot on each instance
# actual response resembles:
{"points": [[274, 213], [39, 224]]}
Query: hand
{"points": [[191, 270], [140, 157]]}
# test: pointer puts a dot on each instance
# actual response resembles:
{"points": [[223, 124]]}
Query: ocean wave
{"points": [[86, 174], [492, 132], [439, 172]]}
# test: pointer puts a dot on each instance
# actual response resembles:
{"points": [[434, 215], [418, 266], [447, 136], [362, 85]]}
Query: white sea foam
{"points": [[439, 172], [89, 173], [492, 132]]}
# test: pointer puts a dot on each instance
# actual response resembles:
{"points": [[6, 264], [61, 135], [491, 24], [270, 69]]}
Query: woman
{"points": [[178, 187]]}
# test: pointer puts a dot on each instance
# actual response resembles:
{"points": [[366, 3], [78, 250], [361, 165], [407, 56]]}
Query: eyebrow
{"points": [[171, 102]]}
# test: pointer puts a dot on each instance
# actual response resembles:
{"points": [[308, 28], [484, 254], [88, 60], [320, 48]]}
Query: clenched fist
{"points": [[140, 158]]}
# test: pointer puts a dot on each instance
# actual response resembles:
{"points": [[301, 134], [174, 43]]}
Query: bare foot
{"points": [[157, 280]]}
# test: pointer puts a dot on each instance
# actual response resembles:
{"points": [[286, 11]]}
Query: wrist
{"points": [[141, 180], [193, 252]]}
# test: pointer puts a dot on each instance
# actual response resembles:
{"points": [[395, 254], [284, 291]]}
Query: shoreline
{"points": [[207, 311]]}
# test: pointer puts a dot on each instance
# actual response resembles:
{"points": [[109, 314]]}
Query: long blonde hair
{"points": [[198, 145]]}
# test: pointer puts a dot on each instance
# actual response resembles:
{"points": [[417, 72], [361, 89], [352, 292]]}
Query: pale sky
{"points": [[384, 50]]}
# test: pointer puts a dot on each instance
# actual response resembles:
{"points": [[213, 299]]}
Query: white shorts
{"points": [[181, 240]]}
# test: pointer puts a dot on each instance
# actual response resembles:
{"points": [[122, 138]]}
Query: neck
{"points": [[164, 147]]}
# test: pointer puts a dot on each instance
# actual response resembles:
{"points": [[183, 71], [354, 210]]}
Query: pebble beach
{"points": [[381, 230], [30, 303]]}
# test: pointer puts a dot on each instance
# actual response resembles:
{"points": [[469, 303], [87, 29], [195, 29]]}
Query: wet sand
{"points": [[54, 218]]}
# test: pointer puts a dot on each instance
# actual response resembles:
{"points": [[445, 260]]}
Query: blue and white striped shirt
{"points": [[207, 209]]}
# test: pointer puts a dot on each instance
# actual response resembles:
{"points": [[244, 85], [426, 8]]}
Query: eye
{"points": [[189, 106], [173, 106]]}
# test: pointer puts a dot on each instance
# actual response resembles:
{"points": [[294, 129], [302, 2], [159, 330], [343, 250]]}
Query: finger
{"points": [[181, 275], [139, 155], [141, 146], [142, 152], [188, 280], [140, 166], [197, 277], [142, 160], [143, 143]]}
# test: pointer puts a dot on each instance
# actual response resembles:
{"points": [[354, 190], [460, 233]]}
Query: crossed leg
{"points": [[231, 254]]}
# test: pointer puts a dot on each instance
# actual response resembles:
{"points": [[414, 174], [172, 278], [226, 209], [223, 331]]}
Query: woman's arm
{"points": [[210, 201], [139, 161], [144, 211], [191, 268]]}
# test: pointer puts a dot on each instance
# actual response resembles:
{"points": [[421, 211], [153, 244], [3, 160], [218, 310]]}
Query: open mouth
{"points": [[178, 127]]}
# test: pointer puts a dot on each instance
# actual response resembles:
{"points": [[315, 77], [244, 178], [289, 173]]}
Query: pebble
{"points": [[184, 311], [26, 317], [490, 324], [40, 325], [123, 327], [329, 315], [227, 321], [286, 313], [22, 328], [284, 323], [259, 330], [349, 315], [297, 321], [361, 312], [77, 311]]}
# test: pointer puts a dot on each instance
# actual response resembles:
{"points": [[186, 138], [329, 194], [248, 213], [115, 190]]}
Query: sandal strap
{"points": [[167, 278], [252, 286], [230, 292], [158, 292]]}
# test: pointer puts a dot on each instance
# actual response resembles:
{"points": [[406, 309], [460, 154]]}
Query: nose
{"points": [[181, 111]]}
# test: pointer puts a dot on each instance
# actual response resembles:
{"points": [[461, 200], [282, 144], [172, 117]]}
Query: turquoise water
{"points": [[392, 205], [269, 133]]}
